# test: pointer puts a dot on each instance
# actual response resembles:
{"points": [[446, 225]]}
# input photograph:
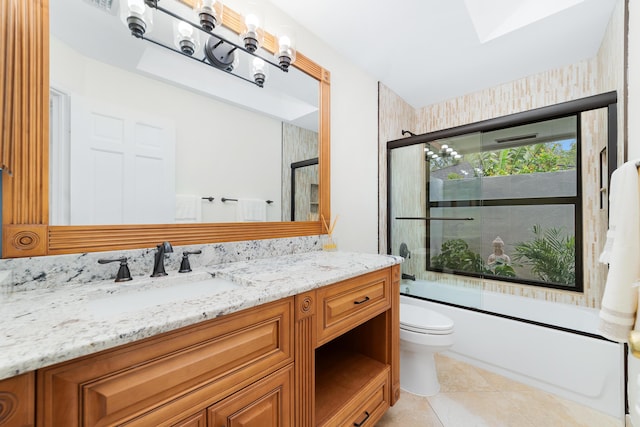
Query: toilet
{"points": [[423, 332]]}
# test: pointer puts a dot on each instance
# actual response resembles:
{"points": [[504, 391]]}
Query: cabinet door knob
{"points": [[366, 417], [362, 301]]}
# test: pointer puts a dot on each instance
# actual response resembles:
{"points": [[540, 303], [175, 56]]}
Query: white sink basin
{"points": [[131, 298]]}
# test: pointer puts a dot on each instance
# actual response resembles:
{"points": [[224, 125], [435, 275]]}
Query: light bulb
{"points": [[449, 150], [434, 156], [284, 42], [187, 40], [429, 153], [206, 5], [252, 22], [136, 6], [185, 29], [286, 53], [444, 147], [259, 71], [253, 35], [454, 153], [457, 157]]}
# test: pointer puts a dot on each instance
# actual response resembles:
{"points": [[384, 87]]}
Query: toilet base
{"points": [[418, 373]]}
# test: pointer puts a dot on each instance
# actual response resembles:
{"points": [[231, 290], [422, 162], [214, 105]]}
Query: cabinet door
{"points": [[162, 380], [266, 403]]}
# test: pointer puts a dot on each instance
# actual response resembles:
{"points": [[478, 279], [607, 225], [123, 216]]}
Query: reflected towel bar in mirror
{"points": [[434, 218], [225, 199]]}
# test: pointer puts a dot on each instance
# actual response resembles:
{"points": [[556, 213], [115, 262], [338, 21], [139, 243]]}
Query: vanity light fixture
{"points": [[219, 52], [445, 152]]}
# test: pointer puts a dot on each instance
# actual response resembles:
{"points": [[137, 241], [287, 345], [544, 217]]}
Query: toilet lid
{"points": [[423, 320]]}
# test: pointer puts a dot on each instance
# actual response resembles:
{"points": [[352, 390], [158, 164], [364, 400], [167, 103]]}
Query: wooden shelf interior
{"points": [[340, 375]]}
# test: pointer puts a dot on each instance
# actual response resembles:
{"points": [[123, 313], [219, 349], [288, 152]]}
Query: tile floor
{"points": [[472, 397]]}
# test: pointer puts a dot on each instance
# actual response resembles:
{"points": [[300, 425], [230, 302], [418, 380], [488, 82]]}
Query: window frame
{"points": [[570, 108]]}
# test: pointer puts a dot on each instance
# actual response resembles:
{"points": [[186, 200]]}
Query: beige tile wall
{"points": [[298, 144]]}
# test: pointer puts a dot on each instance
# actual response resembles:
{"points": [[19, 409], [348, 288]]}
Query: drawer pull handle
{"points": [[366, 417], [362, 301]]}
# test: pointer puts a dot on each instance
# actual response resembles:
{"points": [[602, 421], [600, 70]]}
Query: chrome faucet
{"points": [[158, 264]]}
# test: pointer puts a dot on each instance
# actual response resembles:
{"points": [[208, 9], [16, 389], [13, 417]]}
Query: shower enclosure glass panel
{"points": [[417, 174], [500, 204]]}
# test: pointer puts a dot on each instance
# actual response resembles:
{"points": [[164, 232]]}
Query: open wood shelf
{"points": [[340, 375]]}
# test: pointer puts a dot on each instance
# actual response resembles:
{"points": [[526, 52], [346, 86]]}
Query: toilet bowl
{"points": [[423, 333]]}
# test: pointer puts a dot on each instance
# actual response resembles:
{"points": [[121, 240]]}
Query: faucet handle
{"points": [[185, 266], [123, 274]]}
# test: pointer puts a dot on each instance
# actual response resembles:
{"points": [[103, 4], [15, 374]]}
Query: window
{"points": [[516, 193]]}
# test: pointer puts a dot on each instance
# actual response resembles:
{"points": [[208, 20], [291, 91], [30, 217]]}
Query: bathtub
{"points": [[550, 346]]}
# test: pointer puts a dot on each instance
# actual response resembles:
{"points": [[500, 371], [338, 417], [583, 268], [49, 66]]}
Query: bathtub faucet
{"points": [[408, 276]]}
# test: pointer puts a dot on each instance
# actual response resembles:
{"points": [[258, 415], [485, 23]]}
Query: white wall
{"points": [[354, 136], [633, 78]]}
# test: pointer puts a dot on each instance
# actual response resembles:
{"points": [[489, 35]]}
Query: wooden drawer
{"points": [[367, 407], [161, 380], [348, 304]]}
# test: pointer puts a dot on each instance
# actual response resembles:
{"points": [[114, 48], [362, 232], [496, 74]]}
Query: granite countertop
{"points": [[46, 326]]}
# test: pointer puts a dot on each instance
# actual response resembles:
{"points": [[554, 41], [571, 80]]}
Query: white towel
{"points": [[252, 210], [622, 252], [188, 208]]}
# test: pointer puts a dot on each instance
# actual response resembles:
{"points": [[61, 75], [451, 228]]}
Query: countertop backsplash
{"points": [[19, 274]]}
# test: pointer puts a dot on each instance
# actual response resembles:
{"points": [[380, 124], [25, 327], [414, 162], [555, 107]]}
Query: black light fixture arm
{"points": [[154, 4], [202, 61]]}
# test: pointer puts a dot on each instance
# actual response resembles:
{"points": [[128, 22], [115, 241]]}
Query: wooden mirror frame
{"points": [[24, 154]]}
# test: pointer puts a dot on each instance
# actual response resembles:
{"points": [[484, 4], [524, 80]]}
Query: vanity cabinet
{"points": [[356, 379], [326, 357], [168, 379]]}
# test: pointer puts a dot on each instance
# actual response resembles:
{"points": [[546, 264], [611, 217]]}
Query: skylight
{"points": [[495, 18]]}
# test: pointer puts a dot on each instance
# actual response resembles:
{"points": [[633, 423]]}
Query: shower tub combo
{"points": [[550, 346]]}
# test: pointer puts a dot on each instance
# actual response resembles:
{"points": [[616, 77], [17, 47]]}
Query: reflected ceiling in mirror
{"points": [[153, 133]]}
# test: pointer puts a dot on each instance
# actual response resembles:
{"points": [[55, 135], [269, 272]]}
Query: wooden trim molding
{"points": [[24, 109], [17, 397], [394, 335], [24, 150], [305, 333]]}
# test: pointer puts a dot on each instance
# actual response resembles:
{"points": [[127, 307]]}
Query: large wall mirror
{"points": [[144, 145]]}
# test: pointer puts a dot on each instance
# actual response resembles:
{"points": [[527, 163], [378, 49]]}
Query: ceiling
{"points": [[428, 51]]}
